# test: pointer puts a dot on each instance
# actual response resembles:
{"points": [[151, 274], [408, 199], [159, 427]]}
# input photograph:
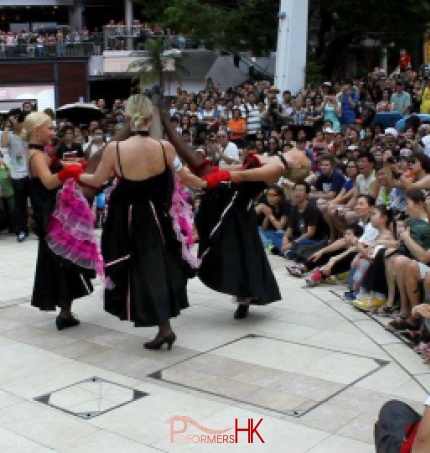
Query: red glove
{"points": [[213, 179], [72, 171], [196, 169], [84, 163], [252, 160]]}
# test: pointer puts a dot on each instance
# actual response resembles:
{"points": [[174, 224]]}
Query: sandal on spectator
{"points": [[401, 323], [385, 311], [410, 337], [296, 270]]}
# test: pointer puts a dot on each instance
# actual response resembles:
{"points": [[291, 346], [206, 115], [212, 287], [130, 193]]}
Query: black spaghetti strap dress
{"points": [[233, 257], [57, 281], [143, 259]]}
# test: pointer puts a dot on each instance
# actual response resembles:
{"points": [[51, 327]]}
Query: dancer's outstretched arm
{"points": [[269, 174]]}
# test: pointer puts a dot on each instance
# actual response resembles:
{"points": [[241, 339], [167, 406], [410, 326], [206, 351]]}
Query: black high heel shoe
{"points": [[65, 323], [169, 339]]}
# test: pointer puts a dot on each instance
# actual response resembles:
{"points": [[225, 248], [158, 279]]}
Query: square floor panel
{"points": [[90, 398], [273, 374]]}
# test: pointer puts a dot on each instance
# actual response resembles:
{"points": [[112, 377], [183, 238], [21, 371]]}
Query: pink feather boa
{"points": [[181, 213]]}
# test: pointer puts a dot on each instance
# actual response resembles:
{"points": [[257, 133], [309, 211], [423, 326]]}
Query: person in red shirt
{"points": [[405, 61]]}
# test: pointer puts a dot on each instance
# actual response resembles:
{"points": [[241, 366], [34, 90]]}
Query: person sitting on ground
{"points": [[345, 194], [400, 428], [275, 213], [415, 242], [338, 219], [337, 257], [306, 225]]}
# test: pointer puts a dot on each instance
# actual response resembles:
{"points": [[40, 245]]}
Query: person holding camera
{"points": [[273, 114], [11, 139], [349, 101], [95, 143]]}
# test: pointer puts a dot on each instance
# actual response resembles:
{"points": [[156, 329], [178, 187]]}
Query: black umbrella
{"points": [[79, 113]]}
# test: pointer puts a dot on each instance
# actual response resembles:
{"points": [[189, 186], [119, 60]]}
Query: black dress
{"points": [[233, 257], [142, 256], [57, 281]]}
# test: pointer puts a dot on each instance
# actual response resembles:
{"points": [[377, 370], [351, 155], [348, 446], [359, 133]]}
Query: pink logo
{"points": [[211, 436]]}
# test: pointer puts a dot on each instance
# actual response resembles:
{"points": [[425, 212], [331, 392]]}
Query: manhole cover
{"points": [[90, 398]]}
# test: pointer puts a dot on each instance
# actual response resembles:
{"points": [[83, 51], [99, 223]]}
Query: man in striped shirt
{"points": [[253, 118]]}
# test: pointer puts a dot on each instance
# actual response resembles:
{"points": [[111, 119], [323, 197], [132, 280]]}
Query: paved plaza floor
{"points": [[307, 374]]}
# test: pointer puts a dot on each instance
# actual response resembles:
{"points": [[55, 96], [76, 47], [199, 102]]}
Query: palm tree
{"points": [[158, 63]]}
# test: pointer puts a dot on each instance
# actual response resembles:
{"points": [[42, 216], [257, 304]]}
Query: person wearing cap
{"points": [[400, 99]]}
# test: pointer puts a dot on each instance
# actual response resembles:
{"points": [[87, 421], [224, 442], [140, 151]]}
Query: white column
{"points": [[292, 45], [129, 22]]}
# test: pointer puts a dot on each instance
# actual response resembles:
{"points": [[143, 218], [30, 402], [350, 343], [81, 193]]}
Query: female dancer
{"points": [[233, 257], [142, 254], [57, 281]]}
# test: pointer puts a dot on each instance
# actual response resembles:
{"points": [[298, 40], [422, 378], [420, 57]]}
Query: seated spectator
{"points": [[383, 220], [415, 244], [340, 253], [306, 225], [237, 127], [274, 212], [330, 182], [363, 186], [400, 428]]}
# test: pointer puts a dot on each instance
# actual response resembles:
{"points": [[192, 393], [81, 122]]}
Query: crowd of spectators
{"points": [[360, 214], [61, 41]]}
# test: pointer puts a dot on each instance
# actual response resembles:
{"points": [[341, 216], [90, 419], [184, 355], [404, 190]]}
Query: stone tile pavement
{"points": [[315, 370]]}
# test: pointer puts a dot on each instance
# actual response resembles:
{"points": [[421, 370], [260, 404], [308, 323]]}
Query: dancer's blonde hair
{"points": [[33, 120], [139, 108]]}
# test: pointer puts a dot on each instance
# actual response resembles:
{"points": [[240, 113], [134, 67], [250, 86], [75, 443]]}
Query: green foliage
{"points": [[153, 66], [314, 72], [338, 25]]}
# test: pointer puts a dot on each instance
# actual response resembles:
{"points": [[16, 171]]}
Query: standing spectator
{"points": [[349, 104], [11, 138], [405, 61], [331, 109], [6, 198], [97, 41], [425, 97], [95, 143], [400, 99], [253, 118], [69, 149]]}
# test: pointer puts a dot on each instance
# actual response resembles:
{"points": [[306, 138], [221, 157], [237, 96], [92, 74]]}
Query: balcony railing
{"points": [[95, 45]]}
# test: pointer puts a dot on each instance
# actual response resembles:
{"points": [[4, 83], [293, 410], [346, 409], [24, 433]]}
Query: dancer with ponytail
{"points": [[146, 261], [58, 280]]}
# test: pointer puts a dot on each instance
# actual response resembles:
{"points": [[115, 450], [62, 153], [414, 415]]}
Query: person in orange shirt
{"points": [[237, 127]]}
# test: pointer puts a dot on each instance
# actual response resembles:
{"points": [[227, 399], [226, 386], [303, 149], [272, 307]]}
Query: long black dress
{"points": [[233, 257], [142, 256], [57, 281]]}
